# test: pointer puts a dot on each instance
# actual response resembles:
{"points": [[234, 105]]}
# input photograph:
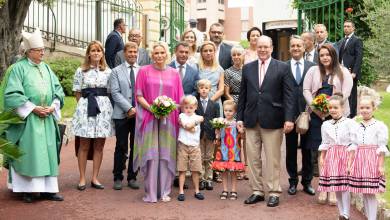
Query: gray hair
{"points": [[237, 49], [267, 38], [310, 34], [320, 26]]}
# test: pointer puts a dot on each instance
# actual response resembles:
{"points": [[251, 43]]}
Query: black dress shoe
{"points": [[81, 187], [202, 185], [309, 190], [209, 185], [292, 190], [176, 182], [254, 199], [27, 197], [273, 201], [97, 186], [52, 197]]}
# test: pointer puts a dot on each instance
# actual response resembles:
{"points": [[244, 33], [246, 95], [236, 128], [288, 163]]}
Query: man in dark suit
{"points": [[143, 57], [223, 49], [298, 68], [266, 109], [114, 42], [122, 82], [321, 35], [311, 53], [188, 74], [351, 56], [209, 110]]}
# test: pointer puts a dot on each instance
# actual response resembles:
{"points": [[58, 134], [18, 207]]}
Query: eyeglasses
{"points": [[134, 35], [38, 50]]}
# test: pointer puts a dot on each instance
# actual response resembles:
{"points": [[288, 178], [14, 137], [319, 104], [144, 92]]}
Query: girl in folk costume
{"points": [[338, 137], [367, 165], [227, 157]]}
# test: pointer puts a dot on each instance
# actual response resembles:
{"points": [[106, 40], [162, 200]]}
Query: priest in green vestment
{"points": [[33, 91]]}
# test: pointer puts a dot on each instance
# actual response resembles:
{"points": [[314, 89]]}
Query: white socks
{"points": [[370, 206], [344, 203]]}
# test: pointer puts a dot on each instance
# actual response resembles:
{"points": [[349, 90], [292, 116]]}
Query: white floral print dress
{"points": [[99, 126]]}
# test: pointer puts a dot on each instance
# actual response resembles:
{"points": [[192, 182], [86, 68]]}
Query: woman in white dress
{"points": [[92, 119]]}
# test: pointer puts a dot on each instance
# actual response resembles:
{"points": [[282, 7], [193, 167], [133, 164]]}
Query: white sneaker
{"points": [[166, 199]]}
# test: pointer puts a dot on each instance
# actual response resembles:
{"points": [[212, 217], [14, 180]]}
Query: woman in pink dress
{"points": [[155, 143]]}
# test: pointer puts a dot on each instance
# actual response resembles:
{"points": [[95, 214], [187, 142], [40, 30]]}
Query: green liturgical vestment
{"points": [[38, 138]]}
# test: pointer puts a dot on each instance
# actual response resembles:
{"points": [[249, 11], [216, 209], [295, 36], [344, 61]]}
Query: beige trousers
{"points": [[271, 139], [207, 154]]}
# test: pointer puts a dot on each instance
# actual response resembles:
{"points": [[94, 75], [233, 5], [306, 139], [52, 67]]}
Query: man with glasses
{"points": [[143, 57], [114, 41], [223, 49]]}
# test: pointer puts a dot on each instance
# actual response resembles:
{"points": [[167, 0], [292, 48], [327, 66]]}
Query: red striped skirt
{"points": [[364, 176], [333, 174]]}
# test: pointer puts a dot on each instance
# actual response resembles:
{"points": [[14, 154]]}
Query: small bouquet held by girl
{"points": [[321, 104], [162, 106], [218, 123]]}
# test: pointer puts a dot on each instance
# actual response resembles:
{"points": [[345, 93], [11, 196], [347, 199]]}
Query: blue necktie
{"points": [[298, 75], [132, 80]]}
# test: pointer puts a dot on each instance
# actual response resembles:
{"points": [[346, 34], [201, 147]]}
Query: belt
{"points": [[90, 94]]}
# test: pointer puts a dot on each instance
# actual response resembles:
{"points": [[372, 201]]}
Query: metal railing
{"points": [[77, 22], [327, 12], [171, 21]]}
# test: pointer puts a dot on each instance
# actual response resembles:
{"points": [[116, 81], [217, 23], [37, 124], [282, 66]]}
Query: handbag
{"points": [[302, 122]]}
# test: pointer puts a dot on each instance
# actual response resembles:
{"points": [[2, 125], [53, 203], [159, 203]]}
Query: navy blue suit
{"points": [[114, 43], [191, 78]]}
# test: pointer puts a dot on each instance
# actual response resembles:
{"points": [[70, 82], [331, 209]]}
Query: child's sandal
{"points": [[233, 196], [223, 195]]}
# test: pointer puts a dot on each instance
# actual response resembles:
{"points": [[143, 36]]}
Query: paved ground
{"points": [[127, 204]]}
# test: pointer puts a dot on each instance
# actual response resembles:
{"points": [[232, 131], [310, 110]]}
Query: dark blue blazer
{"points": [[212, 111], [114, 43], [273, 103], [191, 78], [352, 55], [225, 56]]}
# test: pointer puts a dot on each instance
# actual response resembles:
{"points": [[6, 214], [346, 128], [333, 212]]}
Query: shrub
{"points": [[65, 68]]}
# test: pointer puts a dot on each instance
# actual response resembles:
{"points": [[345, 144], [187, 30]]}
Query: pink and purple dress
{"points": [[155, 140], [364, 177]]}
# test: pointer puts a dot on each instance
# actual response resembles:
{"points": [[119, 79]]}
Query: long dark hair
{"points": [[335, 65]]}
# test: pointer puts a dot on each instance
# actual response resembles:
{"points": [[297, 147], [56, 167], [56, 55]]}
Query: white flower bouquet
{"points": [[162, 106]]}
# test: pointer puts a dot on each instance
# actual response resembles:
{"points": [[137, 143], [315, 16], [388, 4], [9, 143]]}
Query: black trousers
{"points": [[124, 128], [353, 99], [291, 159]]}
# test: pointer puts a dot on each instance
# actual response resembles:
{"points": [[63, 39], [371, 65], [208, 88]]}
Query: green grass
{"points": [[383, 114], [69, 107]]}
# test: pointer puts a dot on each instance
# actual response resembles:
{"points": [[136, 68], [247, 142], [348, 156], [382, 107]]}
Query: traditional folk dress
{"points": [[155, 140], [371, 141], [338, 137], [29, 85], [228, 153]]}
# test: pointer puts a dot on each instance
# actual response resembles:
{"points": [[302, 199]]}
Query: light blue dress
{"points": [[213, 77]]}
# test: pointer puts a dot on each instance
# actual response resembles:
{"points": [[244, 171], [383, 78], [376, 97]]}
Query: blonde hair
{"points": [[129, 45], [201, 61], [189, 100], [204, 82], [338, 97], [366, 93], [193, 48], [163, 45], [230, 103], [87, 61]]}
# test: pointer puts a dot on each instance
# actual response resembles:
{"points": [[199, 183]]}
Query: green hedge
{"points": [[65, 69]]}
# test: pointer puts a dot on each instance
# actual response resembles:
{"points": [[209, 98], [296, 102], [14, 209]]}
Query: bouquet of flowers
{"points": [[321, 103], [162, 106], [218, 123]]}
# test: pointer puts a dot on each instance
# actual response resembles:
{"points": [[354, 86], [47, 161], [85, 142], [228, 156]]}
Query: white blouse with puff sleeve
{"points": [[373, 133], [339, 132]]}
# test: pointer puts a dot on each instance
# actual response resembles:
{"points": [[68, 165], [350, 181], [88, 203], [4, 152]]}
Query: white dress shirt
{"points": [[177, 65], [311, 57], [373, 133], [262, 75], [187, 137], [135, 69], [294, 67]]}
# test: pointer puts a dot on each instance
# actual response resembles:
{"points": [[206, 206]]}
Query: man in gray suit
{"points": [[122, 89], [143, 57], [311, 53], [189, 75]]}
